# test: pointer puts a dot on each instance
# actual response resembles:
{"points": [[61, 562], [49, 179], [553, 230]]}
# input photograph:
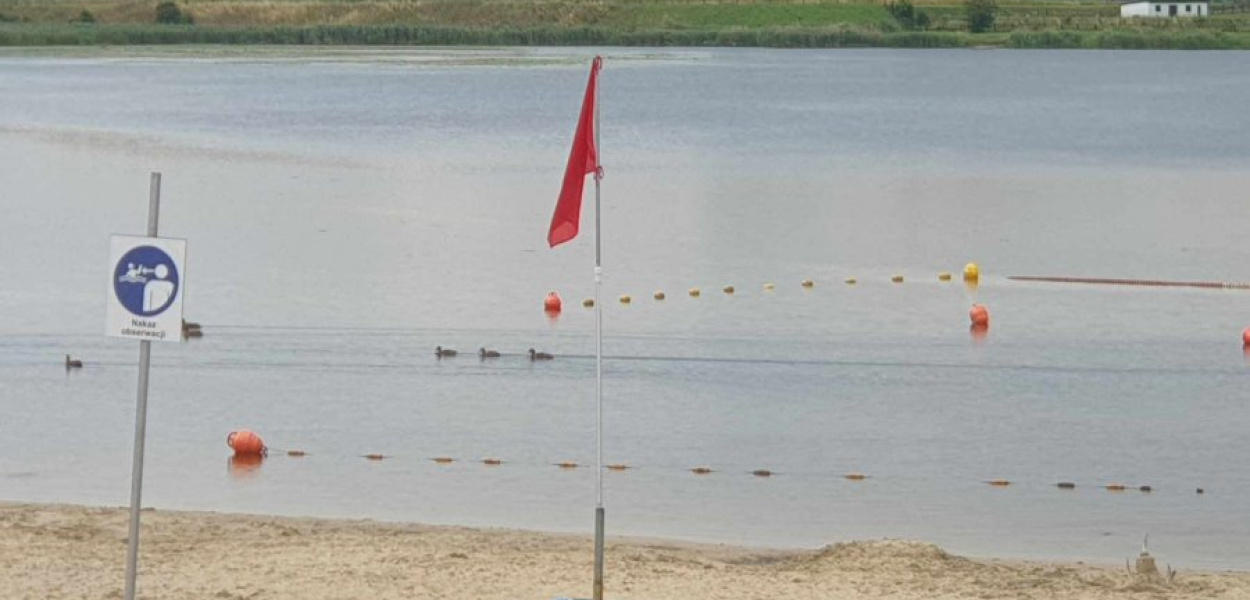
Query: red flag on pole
{"points": [[583, 160]]}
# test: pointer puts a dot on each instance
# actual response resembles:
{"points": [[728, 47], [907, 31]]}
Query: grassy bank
{"points": [[71, 35], [778, 23]]}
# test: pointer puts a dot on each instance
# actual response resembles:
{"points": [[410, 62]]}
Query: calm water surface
{"points": [[348, 210]]}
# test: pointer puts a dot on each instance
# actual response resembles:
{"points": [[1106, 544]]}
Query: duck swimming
{"points": [[534, 355], [440, 352], [484, 353]]}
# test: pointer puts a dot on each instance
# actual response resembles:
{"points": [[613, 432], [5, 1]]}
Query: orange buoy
{"points": [[553, 304], [855, 476], [1116, 487], [999, 482], [979, 315], [617, 467], [494, 462], [1245, 337], [374, 456], [245, 442], [701, 470], [567, 465], [444, 460], [295, 453]]}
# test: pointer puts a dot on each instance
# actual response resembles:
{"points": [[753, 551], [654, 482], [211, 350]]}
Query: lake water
{"points": [[348, 210]]}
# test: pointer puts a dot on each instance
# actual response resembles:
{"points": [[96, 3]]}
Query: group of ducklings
{"points": [[483, 353]]}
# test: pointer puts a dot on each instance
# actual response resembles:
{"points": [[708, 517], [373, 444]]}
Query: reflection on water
{"points": [[347, 215], [243, 466]]}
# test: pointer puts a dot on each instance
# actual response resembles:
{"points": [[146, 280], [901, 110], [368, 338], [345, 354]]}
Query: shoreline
{"points": [[78, 552], [785, 37]]}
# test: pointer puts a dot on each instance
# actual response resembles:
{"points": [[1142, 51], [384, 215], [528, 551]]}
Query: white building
{"points": [[1165, 9]]}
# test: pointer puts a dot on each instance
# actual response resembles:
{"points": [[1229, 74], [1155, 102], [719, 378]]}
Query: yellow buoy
{"points": [[588, 303], [897, 279], [694, 292], [729, 289], [658, 295], [626, 299], [972, 272], [769, 286], [808, 283], [850, 281], [944, 276]]}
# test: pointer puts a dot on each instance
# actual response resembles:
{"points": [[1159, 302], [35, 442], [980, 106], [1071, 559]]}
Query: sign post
{"points": [[146, 280]]}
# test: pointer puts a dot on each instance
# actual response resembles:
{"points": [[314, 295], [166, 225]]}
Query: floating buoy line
{"points": [[245, 444]]}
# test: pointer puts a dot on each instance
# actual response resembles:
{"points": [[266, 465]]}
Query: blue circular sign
{"points": [[146, 281]]}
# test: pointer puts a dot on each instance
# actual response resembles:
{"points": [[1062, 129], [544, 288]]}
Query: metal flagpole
{"points": [[141, 417], [599, 514]]}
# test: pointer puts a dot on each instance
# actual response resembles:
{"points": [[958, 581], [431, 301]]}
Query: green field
{"points": [[810, 23]]}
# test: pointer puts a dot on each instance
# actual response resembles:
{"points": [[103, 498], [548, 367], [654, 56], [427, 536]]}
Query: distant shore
{"points": [[78, 552], [647, 23], [22, 35]]}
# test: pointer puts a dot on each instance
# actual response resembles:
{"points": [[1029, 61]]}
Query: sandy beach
{"points": [[58, 551]]}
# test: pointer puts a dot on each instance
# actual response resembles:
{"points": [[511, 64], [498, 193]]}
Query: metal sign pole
{"points": [[141, 417]]}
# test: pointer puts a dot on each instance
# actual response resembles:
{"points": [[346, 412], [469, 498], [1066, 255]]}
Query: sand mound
{"points": [[883, 554]]}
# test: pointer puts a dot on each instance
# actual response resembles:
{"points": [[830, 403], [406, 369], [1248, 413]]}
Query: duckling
{"points": [[72, 363], [539, 355], [440, 352], [484, 353]]}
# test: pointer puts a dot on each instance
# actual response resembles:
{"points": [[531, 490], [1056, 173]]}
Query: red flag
{"points": [[583, 159]]}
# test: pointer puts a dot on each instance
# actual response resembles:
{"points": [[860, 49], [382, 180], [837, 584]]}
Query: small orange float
{"points": [[999, 482], [855, 476], [701, 470], [1116, 487], [567, 465], [245, 442], [729, 289], [1245, 337], [553, 303], [444, 460], [617, 467], [979, 315], [375, 456]]}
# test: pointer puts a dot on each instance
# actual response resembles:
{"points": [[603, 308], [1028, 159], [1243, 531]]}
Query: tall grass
{"points": [[70, 35]]}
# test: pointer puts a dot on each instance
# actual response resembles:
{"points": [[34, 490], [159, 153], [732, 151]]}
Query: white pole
{"points": [[599, 513], [141, 417]]}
